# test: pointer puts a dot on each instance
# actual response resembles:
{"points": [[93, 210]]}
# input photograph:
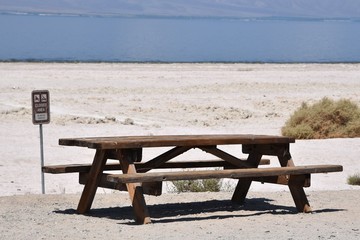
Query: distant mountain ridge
{"points": [[191, 8]]}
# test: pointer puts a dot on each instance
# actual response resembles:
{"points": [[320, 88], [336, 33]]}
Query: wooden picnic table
{"points": [[137, 180]]}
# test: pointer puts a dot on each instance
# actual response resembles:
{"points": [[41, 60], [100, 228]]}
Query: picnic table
{"points": [[137, 178]]}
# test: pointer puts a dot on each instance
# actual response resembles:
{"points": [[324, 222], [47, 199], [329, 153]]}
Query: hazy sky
{"points": [[197, 8]]}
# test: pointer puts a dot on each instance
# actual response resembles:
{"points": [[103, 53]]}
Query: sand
{"points": [[106, 99]]}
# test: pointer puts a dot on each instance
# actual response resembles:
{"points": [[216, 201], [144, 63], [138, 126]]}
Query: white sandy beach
{"points": [[142, 99]]}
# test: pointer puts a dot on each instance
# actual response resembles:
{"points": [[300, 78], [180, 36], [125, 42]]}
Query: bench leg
{"points": [[92, 183], [135, 190]]}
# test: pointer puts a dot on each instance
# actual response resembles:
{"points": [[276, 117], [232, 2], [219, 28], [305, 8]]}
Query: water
{"points": [[80, 38]]}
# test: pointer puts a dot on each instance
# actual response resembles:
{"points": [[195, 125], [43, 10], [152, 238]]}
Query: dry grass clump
{"points": [[354, 179], [203, 185], [324, 119]]}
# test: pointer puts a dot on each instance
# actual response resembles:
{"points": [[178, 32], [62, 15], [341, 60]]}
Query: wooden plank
{"points": [[233, 173], [243, 185], [297, 192], [172, 140], [150, 188], [136, 152], [91, 185], [206, 164], [83, 168], [134, 189], [303, 180], [265, 149], [74, 168], [301, 202], [226, 156], [159, 160]]}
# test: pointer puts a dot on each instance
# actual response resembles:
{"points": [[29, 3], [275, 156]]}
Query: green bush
{"points": [[324, 119], [203, 185], [354, 179]]}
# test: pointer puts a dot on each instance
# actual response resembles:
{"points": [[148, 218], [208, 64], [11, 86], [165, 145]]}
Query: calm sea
{"points": [[82, 38]]}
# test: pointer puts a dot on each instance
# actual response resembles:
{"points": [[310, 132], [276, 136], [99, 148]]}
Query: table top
{"points": [[123, 142]]}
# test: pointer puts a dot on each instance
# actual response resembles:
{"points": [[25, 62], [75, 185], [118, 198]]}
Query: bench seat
{"points": [[230, 173], [83, 168]]}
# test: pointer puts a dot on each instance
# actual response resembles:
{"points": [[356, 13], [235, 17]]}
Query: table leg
{"points": [[297, 191], [135, 189], [241, 191], [244, 184], [91, 185]]}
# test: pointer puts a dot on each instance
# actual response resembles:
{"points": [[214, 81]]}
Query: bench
{"points": [[292, 176], [152, 181], [73, 168], [230, 173], [150, 188]]}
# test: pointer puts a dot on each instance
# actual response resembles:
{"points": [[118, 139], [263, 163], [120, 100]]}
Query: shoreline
{"points": [[165, 62]]}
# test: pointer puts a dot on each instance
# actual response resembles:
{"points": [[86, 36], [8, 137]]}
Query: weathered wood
{"points": [[297, 192], [225, 156], [149, 188], [137, 181], [163, 158], [136, 154], [243, 185], [233, 173], [301, 202], [265, 149], [134, 189], [303, 180], [172, 140], [91, 185], [84, 168], [74, 168], [155, 188]]}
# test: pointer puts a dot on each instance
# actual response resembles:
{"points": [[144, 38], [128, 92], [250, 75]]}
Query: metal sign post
{"points": [[42, 159], [41, 115]]}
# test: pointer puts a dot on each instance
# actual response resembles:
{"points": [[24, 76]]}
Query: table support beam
{"points": [[163, 158], [225, 156]]}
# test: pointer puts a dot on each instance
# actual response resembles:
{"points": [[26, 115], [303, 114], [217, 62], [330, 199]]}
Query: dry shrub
{"points": [[354, 179], [324, 119], [203, 185]]}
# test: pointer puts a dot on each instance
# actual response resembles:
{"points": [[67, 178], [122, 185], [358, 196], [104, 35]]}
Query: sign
{"points": [[40, 106]]}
